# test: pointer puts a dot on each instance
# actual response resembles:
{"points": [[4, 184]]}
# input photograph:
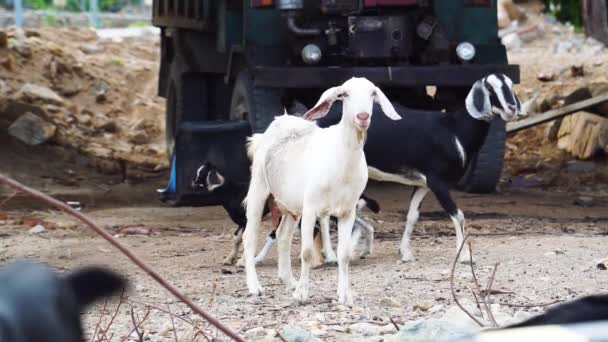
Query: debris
{"points": [[8, 62], [22, 48], [90, 48], [546, 76], [430, 330], [33, 93], [3, 40], [139, 138], [369, 329], [422, 307], [75, 205], [584, 201], [512, 41], [101, 89], [291, 333], [576, 166], [37, 229], [389, 302], [31, 129], [577, 71], [257, 333]]}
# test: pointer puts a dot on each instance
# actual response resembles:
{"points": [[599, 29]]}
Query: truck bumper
{"points": [[395, 76]]}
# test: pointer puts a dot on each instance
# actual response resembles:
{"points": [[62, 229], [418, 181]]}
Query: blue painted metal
{"points": [[19, 13], [94, 14], [171, 186]]}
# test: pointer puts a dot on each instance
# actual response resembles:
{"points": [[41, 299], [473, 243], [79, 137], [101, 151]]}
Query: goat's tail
{"points": [[252, 144]]}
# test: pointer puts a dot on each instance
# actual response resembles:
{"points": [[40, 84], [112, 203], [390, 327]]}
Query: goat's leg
{"points": [[264, 252], [236, 244], [345, 229], [307, 231], [284, 237], [412, 217], [442, 192], [256, 199], [365, 230], [328, 251]]}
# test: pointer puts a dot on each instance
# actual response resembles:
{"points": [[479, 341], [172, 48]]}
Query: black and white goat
{"points": [[431, 150], [231, 195], [37, 304]]}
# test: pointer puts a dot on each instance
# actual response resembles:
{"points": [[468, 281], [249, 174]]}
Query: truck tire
{"points": [[258, 105], [483, 173], [186, 99]]}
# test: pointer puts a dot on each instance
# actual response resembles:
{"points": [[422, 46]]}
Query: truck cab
{"points": [[228, 67]]}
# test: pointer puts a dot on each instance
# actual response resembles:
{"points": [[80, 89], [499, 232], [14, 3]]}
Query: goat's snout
{"points": [[362, 120], [363, 116]]}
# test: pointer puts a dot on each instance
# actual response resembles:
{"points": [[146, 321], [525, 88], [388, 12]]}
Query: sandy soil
{"points": [[546, 246]]}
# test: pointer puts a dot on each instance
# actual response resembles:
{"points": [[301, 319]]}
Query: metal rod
{"points": [[19, 13], [94, 13], [124, 250]]}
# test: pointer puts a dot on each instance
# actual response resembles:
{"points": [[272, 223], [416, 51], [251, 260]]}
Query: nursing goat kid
{"points": [[312, 172], [432, 150]]}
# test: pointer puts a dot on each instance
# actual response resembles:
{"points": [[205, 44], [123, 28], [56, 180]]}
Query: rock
{"points": [[583, 135], [101, 90], [546, 76], [90, 48], [108, 127], [436, 308], [291, 333], [166, 330], [4, 89], [584, 201], [576, 166], [54, 49], [37, 229], [422, 307], [389, 302], [31, 129], [257, 333], [22, 48], [7, 62], [602, 265], [3, 40], [429, 330], [512, 41], [32, 93], [139, 138], [457, 318], [368, 329]]}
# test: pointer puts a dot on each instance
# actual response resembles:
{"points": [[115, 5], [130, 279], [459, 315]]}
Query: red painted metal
{"points": [[261, 3], [371, 3]]}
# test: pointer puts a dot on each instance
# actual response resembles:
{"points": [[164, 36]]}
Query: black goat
{"points": [[37, 304], [431, 150], [231, 195]]}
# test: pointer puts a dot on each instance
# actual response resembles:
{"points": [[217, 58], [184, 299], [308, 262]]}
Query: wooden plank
{"points": [[555, 113]]}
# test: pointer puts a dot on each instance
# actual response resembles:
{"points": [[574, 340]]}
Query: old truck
{"points": [[229, 66]]}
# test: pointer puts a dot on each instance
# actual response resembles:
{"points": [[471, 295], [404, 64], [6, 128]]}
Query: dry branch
{"points": [[135, 259], [452, 283]]}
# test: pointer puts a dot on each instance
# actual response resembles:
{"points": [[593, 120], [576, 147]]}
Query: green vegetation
{"points": [[566, 11], [75, 5]]}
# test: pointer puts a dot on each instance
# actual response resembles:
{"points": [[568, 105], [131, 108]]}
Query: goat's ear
{"points": [[92, 283], [214, 180], [478, 100], [386, 105], [324, 104]]}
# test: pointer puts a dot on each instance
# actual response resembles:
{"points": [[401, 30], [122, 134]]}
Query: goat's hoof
{"points": [[364, 255], [407, 256], [289, 282], [257, 291], [345, 298], [258, 261], [300, 294]]}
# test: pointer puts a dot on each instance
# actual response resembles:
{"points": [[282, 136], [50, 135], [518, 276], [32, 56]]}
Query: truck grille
{"points": [[341, 6]]}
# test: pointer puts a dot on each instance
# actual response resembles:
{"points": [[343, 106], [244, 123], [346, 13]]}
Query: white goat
{"points": [[312, 172]]}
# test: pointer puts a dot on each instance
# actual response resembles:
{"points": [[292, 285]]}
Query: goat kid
{"points": [[361, 229], [435, 148], [37, 304], [231, 195], [312, 172]]}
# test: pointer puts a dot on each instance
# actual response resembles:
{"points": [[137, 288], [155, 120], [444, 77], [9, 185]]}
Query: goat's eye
{"points": [[373, 93], [342, 95]]}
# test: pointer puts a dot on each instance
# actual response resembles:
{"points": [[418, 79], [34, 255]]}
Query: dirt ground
{"points": [[547, 248], [546, 243]]}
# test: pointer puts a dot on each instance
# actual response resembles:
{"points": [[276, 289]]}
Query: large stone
{"points": [[32, 130], [33, 93], [3, 39], [292, 333]]}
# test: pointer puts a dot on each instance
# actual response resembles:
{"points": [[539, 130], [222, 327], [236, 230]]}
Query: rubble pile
{"points": [[98, 96], [557, 63]]}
